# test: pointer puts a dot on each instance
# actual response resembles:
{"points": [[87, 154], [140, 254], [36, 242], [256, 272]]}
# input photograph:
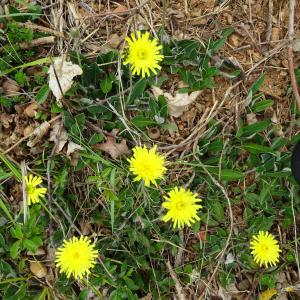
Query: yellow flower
{"points": [[182, 207], [76, 257], [265, 249], [34, 193], [143, 54], [268, 294], [147, 165]]}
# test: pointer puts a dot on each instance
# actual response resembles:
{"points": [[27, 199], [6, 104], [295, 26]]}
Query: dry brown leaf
{"points": [[120, 9], [179, 103], [231, 292], [60, 137], [72, 147], [251, 118], [27, 130], [85, 227], [61, 80], [6, 119], [115, 40], [234, 40], [38, 133], [30, 110], [10, 87], [38, 269], [113, 148]]}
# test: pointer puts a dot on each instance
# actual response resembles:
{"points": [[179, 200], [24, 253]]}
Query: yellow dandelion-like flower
{"points": [[76, 257], [143, 54], [147, 165], [268, 294], [34, 193], [182, 207], [265, 249]]}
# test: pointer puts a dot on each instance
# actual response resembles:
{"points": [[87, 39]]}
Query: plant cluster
{"points": [[120, 201]]}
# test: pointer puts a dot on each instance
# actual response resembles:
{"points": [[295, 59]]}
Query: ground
{"points": [[221, 111]]}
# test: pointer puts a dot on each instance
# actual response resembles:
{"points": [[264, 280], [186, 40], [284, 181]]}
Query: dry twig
{"points": [[178, 287], [39, 28], [270, 21], [38, 42]]}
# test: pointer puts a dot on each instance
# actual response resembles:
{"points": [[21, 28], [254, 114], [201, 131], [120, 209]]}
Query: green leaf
{"points": [[11, 166], [215, 146], [14, 249], [137, 90], [226, 174], [30, 245], [142, 122], [262, 105], [83, 294], [6, 211], [17, 232], [40, 61], [218, 211], [17, 16], [257, 84], [254, 128], [106, 85], [44, 293], [267, 280], [216, 46], [254, 88], [130, 284], [42, 94], [256, 149], [91, 75]]}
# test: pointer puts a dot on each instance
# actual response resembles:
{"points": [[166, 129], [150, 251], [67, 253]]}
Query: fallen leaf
{"points": [[251, 118], [10, 87], [120, 9], [30, 110], [72, 147], [85, 227], [229, 259], [201, 235], [115, 41], [234, 40], [113, 148], [231, 292], [61, 74], [27, 130], [38, 269], [38, 133], [179, 103], [6, 119], [60, 137]]}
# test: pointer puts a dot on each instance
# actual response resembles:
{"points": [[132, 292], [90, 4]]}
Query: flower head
{"points": [[182, 207], [76, 257], [34, 193], [265, 249], [147, 165], [267, 294], [143, 54]]}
